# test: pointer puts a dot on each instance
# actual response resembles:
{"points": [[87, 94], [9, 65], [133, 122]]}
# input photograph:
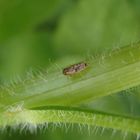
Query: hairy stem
{"points": [[105, 75], [70, 116]]}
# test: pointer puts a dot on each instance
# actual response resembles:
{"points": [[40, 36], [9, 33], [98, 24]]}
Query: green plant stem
{"points": [[71, 116], [105, 75]]}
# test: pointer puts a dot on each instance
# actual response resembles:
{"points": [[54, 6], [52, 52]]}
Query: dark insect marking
{"points": [[74, 68]]}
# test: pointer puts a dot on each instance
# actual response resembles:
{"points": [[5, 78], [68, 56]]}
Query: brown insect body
{"points": [[76, 68]]}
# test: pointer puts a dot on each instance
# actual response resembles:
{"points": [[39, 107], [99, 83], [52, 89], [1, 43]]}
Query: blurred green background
{"points": [[36, 34]]}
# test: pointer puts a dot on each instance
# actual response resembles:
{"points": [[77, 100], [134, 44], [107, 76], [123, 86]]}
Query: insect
{"points": [[76, 68]]}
